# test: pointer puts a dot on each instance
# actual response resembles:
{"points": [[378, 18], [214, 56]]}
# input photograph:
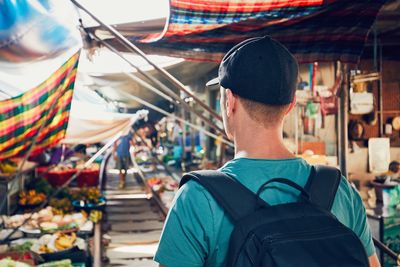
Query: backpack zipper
{"points": [[305, 235]]}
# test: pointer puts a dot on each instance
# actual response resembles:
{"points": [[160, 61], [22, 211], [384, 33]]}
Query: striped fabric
{"points": [[313, 30], [22, 116]]}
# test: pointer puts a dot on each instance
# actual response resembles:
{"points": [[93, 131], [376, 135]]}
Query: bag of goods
{"points": [[44, 215]]}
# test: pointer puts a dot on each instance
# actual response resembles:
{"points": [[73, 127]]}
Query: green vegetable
{"points": [[62, 263], [41, 185], [22, 248], [7, 262], [68, 226]]}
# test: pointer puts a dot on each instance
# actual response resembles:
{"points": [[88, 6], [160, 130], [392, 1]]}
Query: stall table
{"points": [[10, 185], [385, 226]]}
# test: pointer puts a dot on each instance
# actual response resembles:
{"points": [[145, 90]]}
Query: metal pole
{"points": [[97, 245], [375, 50], [296, 129], [343, 120], [165, 89], [183, 156], [148, 86], [137, 79], [135, 49], [155, 108], [380, 93]]}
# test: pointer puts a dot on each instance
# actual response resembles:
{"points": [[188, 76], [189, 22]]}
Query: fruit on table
{"points": [[93, 166], [65, 241], [49, 226], [61, 168], [37, 217], [31, 197], [61, 206], [7, 262], [95, 216], [91, 195], [153, 181], [8, 166], [54, 243], [45, 249]]}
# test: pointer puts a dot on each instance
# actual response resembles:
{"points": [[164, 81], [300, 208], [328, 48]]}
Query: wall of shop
{"points": [[327, 132], [325, 74], [357, 162], [390, 101]]}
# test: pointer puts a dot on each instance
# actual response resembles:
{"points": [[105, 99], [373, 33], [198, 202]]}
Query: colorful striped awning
{"points": [[314, 30], [22, 116]]}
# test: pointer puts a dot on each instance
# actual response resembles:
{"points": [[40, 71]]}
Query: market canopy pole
{"points": [[155, 108], [135, 49], [166, 90], [343, 120]]}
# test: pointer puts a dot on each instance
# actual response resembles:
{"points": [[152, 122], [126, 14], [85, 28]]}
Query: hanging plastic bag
{"points": [[361, 103]]}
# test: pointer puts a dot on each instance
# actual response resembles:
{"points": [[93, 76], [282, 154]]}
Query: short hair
{"points": [[267, 115], [394, 166]]}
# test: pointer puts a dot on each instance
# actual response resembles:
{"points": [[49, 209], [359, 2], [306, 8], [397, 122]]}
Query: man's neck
{"points": [[261, 143]]}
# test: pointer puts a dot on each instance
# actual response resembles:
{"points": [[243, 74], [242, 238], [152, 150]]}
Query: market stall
{"points": [[53, 212]]}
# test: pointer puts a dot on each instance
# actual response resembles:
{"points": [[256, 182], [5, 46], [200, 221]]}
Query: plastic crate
{"points": [[88, 178]]}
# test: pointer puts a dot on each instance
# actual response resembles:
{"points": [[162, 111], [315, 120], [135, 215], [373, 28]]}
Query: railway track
{"points": [[133, 222]]}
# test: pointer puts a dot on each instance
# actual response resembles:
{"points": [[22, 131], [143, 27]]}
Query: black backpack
{"points": [[304, 233]]}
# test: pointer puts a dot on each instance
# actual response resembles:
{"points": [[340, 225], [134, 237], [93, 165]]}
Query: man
{"points": [[122, 157], [258, 80], [394, 170]]}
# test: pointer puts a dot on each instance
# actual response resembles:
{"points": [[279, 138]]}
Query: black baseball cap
{"points": [[259, 69]]}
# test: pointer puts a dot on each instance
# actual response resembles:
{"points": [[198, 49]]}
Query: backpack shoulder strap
{"points": [[235, 198], [322, 185]]}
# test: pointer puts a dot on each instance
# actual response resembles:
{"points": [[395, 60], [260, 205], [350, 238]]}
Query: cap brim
{"points": [[213, 82]]}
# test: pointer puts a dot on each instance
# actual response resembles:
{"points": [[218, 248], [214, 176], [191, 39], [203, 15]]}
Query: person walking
{"points": [[257, 79], [122, 156]]}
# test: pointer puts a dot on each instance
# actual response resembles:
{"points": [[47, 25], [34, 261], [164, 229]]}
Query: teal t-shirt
{"points": [[197, 230]]}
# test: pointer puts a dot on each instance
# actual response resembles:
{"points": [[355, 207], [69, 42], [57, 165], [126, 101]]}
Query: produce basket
{"points": [[58, 178], [88, 178], [41, 171]]}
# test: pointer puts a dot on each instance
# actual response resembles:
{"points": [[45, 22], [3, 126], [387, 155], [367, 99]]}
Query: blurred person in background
{"points": [[122, 156]]}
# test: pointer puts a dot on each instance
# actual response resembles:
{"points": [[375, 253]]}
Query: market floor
{"points": [[134, 223]]}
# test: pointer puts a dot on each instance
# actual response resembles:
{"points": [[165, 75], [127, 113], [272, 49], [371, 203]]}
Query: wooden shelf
{"points": [[390, 112]]}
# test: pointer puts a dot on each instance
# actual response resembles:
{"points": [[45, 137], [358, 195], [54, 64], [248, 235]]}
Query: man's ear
{"points": [[230, 102], [291, 106]]}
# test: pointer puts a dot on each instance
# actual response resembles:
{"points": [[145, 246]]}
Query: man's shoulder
{"points": [[346, 190], [347, 199], [192, 190], [194, 201]]}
